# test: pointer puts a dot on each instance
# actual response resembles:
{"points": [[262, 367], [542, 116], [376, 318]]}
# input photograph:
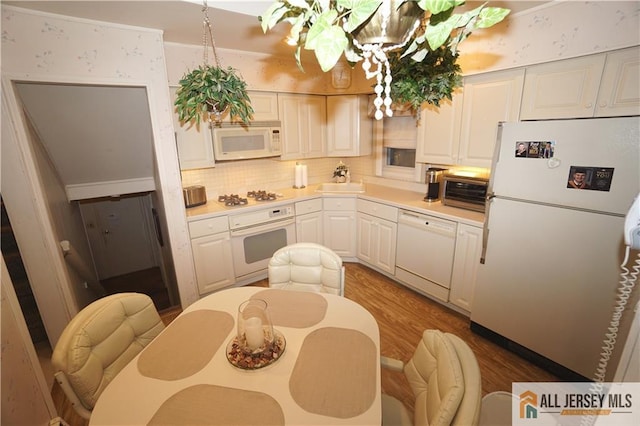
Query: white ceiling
{"points": [[87, 141], [235, 23]]}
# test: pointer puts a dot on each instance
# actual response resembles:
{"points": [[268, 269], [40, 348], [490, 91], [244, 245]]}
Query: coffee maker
{"points": [[433, 179]]}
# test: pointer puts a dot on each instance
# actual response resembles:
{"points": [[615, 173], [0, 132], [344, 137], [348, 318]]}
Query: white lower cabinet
{"points": [[376, 235], [465, 266], [212, 257], [339, 222], [309, 221]]}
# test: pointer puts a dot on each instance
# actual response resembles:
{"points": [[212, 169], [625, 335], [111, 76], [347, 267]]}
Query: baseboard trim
{"points": [[545, 363]]}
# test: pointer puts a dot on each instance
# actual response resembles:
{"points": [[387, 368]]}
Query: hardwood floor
{"points": [[147, 281], [402, 316]]}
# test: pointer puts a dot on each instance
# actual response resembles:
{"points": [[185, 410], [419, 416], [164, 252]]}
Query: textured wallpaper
{"points": [[559, 30]]}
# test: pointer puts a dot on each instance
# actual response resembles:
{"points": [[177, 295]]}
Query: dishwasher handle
{"points": [[427, 223]]}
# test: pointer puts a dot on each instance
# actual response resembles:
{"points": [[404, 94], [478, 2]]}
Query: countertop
{"points": [[399, 198]]}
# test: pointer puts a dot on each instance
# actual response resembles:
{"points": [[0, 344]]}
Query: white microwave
{"points": [[238, 142]]}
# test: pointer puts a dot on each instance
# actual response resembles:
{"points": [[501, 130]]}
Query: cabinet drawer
{"points": [[308, 206], [200, 228], [339, 204], [378, 210]]}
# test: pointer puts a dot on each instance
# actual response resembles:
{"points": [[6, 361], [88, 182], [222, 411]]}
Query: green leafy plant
{"points": [[330, 28], [208, 91], [430, 80]]}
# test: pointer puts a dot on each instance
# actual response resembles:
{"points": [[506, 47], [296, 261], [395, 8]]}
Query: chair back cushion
{"points": [[306, 267], [469, 410], [436, 377], [101, 339]]}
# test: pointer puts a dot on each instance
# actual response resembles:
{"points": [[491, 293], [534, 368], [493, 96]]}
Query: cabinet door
{"points": [[316, 118], [562, 89], [439, 132], [349, 130], [303, 126], [386, 246], [488, 99], [194, 142], [339, 232], [366, 238], [376, 242], [265, 106], [309, 228], [213, 262], [620, 86], [465, 266]]}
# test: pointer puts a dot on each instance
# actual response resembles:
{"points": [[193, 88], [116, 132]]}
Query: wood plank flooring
{"points": [[402, 316]]}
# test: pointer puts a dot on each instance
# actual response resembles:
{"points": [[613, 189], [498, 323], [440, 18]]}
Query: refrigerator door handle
{"points": [[485, 229]]}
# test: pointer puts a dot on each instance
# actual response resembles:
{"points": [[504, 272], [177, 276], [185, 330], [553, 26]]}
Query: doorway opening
{"points": [[125, 241]]}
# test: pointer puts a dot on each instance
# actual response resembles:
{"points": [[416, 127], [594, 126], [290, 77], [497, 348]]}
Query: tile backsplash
{"points": [[270, 174]]}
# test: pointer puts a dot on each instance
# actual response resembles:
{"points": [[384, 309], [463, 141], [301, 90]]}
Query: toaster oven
{"points": [[465, 192]]}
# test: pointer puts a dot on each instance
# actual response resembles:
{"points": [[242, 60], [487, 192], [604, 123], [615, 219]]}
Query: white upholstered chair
{"points": [[445, 378], [99, 341], [307, 267]]}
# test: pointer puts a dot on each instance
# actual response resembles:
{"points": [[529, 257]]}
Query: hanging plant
{"points": [[331, 28], [209, 91]]}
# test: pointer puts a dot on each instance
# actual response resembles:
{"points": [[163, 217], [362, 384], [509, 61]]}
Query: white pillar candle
{"points": [[253, 332]]}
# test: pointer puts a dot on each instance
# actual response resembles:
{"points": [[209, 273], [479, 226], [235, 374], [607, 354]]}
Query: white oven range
{"points": [[256, 235]]}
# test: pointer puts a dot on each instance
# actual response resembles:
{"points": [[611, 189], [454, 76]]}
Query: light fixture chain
{"points": [[207, 31]]}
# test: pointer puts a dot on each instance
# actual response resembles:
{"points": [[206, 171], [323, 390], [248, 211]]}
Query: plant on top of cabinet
{"points": [[367, 30], [210, 90]]}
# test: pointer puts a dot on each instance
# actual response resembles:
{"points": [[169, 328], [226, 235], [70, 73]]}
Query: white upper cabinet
{"points": [[603, 85], [304, 130], [488, 99], [464, 131], [562, 89], [349, 129], [439, 132], [620, 86], [194, 142], [264, 104]]}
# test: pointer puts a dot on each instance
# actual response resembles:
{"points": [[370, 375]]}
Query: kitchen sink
{"points": [[343, 188]]}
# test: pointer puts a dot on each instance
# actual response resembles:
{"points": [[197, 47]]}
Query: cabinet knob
{"points": [[588, 105]]}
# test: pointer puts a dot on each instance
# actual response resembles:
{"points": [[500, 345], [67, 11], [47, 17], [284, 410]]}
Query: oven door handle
{"points": [[250, 230]]}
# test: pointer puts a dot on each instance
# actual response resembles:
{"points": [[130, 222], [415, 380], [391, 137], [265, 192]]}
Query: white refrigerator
{"points": [[553, 239]]}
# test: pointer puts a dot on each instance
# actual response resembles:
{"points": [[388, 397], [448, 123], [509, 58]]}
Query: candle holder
{"points": [[255, 331], [256, 344]]}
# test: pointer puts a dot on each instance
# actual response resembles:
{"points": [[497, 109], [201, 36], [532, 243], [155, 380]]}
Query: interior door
{"points": [[119, 235]]}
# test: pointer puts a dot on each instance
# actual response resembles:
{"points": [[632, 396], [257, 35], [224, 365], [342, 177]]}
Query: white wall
{"points": [[25, 396], [45, 47], [557, 30]]}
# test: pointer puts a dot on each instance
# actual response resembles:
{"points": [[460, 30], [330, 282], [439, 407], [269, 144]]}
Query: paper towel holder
{"points": [[300, 179]]}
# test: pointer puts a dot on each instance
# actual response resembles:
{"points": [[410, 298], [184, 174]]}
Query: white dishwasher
{"points": [[424, 254]]}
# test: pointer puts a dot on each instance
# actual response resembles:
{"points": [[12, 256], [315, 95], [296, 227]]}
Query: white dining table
{"points": [[328, 373]]}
